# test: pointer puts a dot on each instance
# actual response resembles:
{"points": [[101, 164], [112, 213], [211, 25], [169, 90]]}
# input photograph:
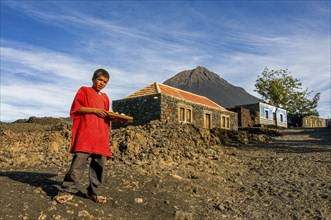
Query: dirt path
{"points": [[286, 179]]}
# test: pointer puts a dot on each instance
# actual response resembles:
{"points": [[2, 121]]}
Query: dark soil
{"points": [[155, 175]]}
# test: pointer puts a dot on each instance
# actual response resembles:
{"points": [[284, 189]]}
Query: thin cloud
{"points": [[145, 45]]}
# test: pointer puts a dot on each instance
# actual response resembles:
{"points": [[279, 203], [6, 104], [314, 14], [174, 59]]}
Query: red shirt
{"points": [[90, 133]]}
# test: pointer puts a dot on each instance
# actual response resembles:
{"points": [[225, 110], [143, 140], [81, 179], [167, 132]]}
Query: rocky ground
{"points": [[171, 172]]}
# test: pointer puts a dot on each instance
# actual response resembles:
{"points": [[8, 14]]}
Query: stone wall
{"points": [[166, 109], [143, 109], [247, 117]]}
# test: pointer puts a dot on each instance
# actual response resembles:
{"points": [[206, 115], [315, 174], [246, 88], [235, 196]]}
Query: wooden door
{"points": [[207, 121]]}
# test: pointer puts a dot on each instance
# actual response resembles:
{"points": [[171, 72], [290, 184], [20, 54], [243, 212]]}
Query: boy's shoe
{"points": [[96, 198], [63, 197]]}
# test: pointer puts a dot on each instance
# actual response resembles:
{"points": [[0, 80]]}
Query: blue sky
{"points": [[51, 48]]}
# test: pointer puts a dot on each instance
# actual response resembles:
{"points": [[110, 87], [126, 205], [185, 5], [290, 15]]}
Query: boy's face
{"points": [[100, 83]]}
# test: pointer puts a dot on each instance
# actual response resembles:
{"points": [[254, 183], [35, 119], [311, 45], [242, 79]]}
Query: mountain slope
{"points": [[203, 82]]}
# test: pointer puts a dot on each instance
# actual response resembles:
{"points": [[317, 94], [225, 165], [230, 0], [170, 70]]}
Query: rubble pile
{"points": [[46, 142]]}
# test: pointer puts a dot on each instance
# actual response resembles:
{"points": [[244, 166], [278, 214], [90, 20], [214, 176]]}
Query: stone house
{"points": [[260, 115], [313, 122], [168, 104]]}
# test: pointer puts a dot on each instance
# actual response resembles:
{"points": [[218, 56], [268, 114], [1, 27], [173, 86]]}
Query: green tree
{"points": [[280, 89]]}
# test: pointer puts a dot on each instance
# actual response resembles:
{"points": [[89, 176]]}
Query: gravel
{"points": [[171, 172]]}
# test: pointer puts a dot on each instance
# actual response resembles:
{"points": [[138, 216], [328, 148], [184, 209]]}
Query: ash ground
{"points": [[287, 177]]}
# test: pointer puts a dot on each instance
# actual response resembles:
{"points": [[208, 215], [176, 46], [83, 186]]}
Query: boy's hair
{"points": [[100, 72]]}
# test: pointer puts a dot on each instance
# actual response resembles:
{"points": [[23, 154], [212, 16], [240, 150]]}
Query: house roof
{"points": [[156, 88]]}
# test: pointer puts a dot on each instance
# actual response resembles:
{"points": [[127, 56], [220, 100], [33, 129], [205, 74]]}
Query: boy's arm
{"points": [[99, 112]]}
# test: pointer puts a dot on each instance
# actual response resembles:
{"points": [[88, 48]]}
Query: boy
{"points": [[90, 139]]}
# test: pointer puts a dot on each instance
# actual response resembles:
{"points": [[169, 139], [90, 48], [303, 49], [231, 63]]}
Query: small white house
{"points": [[260, 114]]}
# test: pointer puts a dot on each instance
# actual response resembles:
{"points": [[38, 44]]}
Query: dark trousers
{"points": [[72, 179]]}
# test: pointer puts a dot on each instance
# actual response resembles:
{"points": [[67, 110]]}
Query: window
{"points": [[185, 114], [182, 114], [281, 118], [188, 115], [266, 113], [225, 121]]}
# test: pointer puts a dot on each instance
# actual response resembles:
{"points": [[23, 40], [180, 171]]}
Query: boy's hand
{"points": [[101, 113]]}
